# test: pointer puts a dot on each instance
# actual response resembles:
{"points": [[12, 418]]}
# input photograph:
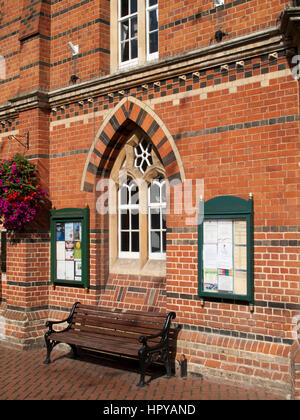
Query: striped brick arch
{"points": [[115, 129]]}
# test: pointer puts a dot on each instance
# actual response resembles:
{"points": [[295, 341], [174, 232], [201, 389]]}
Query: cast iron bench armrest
{"points": [[160, 350], [164, 333], [144, 338], [50, 324]]}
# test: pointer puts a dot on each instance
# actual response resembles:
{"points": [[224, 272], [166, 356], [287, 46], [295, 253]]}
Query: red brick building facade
{"points": [[213, 90]]}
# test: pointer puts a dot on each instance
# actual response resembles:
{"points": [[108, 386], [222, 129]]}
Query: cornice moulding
{"points": [[28, 100], [212, 56], [234, 50]]}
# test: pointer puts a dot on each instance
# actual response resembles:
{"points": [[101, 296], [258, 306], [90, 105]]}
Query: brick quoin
{"points": [[223, 112]]}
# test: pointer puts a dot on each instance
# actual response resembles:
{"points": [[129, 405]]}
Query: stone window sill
{"points": [[154, 268]]}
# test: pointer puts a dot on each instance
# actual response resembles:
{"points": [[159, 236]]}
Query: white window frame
{"points": [[154, 55], [133, 61], [130, 207], [161, 206]]}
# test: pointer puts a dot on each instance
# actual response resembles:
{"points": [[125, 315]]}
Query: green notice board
{"points": [[225, 246], [70, 246]]}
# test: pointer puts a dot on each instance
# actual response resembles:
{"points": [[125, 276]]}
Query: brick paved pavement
{"points": [[23, 376]]}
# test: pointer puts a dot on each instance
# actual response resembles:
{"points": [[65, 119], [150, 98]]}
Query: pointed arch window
{"points": [[138, 193]]}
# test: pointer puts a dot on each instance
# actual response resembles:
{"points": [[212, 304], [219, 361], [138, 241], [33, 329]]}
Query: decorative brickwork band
{"points": [[116, 127]]}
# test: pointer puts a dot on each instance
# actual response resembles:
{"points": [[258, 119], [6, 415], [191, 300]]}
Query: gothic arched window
{"points": [[138, 195]]}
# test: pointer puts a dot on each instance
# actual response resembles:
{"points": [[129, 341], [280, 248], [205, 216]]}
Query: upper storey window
{"points": [[134, 32], [152, 29], [128, 30]]}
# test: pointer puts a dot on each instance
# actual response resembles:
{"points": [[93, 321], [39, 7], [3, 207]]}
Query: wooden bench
{"points": [[146, 335]]}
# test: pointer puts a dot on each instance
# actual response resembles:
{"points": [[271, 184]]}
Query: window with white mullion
{"points": [[129, 220], [152, 29], [128, 31], [157, 219]]}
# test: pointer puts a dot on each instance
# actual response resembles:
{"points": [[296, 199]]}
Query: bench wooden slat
{"points": [[128, 315], [109, 332], [81, 321], [148, 315], [107, 344]]}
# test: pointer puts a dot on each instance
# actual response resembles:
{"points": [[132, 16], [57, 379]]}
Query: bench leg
{"points": [[168, 367], [49, 347], [74, 350], [165, 357], [144, 362]]}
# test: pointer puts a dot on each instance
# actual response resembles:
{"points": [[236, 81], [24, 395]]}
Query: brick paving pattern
{"points": [[23, 376]]}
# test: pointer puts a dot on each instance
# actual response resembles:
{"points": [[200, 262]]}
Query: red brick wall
{"points": [[188, 25], [85, 24]]}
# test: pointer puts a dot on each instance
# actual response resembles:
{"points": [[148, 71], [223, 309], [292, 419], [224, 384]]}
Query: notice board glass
{"points": [[225, 249], [70, 246]]}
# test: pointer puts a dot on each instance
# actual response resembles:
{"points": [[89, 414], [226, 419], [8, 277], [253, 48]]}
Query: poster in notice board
{"points": [[68, 251], [225, 256]]}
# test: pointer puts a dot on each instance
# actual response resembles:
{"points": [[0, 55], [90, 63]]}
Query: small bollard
{"points": [[183, 366]]}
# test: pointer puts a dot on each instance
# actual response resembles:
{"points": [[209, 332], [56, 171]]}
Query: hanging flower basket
{"points": [[21, 198]]}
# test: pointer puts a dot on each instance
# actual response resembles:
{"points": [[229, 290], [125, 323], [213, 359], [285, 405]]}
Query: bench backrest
{"points": [[116, 322]]}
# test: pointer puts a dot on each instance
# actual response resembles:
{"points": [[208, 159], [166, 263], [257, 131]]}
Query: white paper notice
{"points": [[69, 270], [240, 257], [210, 254], [210, 232], [225, 255], [60, 270], [60, 250], [225, 231], [240, 282], [240, 232], [78, 268], [225, 283]]}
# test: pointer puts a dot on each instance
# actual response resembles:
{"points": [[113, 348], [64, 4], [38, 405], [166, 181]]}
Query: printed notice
{"points": [[225, 255], [77, 268], [240, 282], [69, 250], [69, 234], [225, 231], [210, 254], [225, 283], [69, 270], [77, 251], [77, 231], [210, 234], [240, 232], [60, 250], [211, 279], [60, 231], [60, 270], [240, 258]]}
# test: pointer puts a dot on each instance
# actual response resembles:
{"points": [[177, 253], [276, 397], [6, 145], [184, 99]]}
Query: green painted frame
{"points": [[72, 215], [233, 208]]}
